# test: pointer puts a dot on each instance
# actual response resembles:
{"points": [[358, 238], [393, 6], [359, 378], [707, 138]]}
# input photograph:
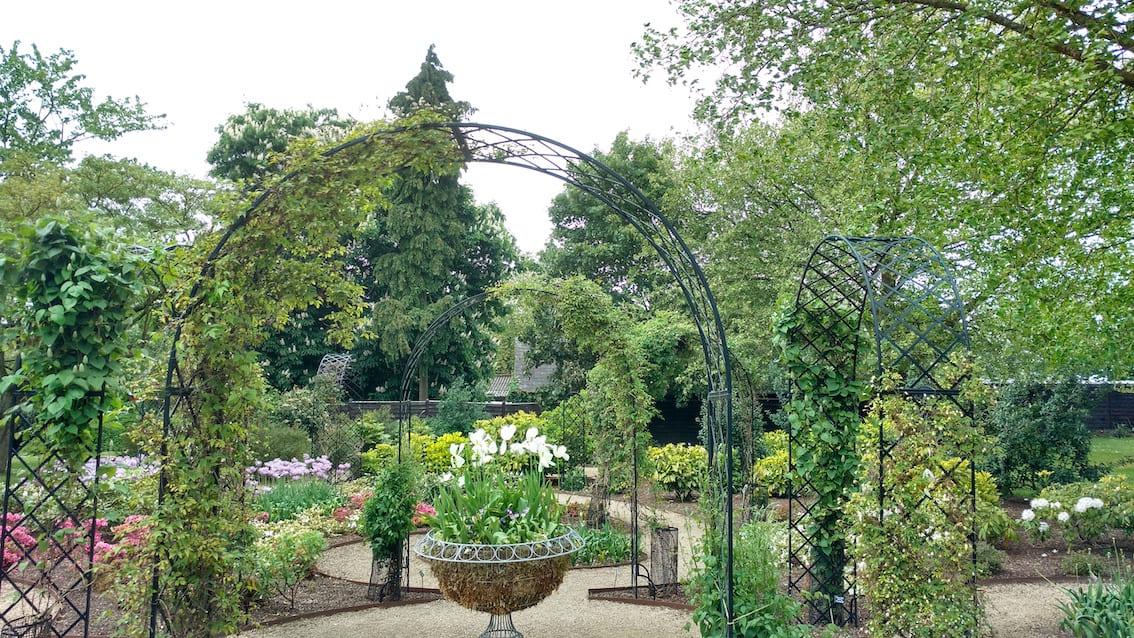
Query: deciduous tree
{"points": [[997, 131]]}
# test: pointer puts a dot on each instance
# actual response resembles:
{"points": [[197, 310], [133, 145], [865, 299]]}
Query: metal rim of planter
{"points": [[432, 548]]}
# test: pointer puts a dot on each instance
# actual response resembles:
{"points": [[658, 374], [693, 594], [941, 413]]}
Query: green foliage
{"points": [[1081, 512], [47, 109], [432, 247], [617, 404], [74, 291], [494, 509], [605, 545], [438, 457], [989, 558], [378, 458], [285, 499], [993, 523], [574, 479], [281, 559], [916, 554], [771, 470], [377, 426], [1011, 122], [1086, 563], [303, 408], [458, 409], [679, 468], [1042, 435], [818, 352], [269, 441], [521, 420], [387, 516], [1101, 610], [760, 608], [566, 423], [250, 142], [590, 239], [498, 494]]}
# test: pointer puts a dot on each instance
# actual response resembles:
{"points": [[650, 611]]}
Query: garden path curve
{"points": [[1015, 611]]}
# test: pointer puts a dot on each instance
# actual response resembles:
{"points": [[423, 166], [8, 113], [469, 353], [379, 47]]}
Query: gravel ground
{"points": [[1024, 611], [1014, 610], [565, 614]]}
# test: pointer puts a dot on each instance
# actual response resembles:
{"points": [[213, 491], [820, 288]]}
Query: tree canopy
{"points": [[431, 247], [45, 108], [589, 238], [997, 131]]}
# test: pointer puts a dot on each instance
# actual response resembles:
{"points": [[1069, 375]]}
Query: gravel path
{"points": [[1014, 611]]}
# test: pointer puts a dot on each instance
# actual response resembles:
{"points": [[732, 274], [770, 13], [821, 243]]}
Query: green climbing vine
{"points": [[278, 251], [818, 352], [72, 293], [914, 522], [617, 402]]}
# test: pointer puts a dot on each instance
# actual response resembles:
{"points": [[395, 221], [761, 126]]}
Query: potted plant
{"points": [[387, 520], [497, 542]]}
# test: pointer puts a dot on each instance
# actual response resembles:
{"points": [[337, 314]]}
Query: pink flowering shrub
{"points": [[421, 512], [18, 543]]}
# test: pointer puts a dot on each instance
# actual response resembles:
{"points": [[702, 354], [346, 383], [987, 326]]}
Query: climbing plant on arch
{"points": [[277, 256], [892, 302]]}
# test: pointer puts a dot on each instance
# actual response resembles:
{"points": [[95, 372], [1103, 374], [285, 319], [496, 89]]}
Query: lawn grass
{"points": [[1115, 453]]}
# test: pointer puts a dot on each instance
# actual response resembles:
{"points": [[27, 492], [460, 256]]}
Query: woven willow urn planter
{"points": [[499, 579]]}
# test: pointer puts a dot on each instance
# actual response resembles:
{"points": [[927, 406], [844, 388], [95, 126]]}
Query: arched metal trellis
{"points": [[378, 585], [336, 367], [508, 146], [49, 527], [899, 295]]}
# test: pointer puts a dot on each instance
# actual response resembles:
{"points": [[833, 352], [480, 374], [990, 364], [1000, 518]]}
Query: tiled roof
{"points": [[498, 389], [534, 379]]}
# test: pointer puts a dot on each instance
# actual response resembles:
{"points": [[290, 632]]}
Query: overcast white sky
{"points": [[558, 69]]}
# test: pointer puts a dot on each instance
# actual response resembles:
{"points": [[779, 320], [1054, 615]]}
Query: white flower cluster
{"points": [[1081, 506], [484, 448], [1086, 503]]}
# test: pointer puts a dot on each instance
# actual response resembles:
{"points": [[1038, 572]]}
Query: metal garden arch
{"points": [[508, 146], [899, 295]]}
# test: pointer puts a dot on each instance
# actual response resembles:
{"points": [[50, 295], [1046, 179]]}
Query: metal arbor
{"points": [[380, 568], [49, 530], [899, 296], [508, 146]]}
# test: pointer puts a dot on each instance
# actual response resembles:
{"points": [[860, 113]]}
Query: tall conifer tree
{"points": [[432, 248]]}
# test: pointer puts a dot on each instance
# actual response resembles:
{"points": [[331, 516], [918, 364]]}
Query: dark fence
{"points": [[1114, 409], [425, 409]]}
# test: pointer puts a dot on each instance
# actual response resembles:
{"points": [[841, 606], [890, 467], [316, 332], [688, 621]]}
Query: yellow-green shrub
{"points": [[379, 457], [438, 459], [678, 468], [771, 472], [419, 446], [522, 420]]}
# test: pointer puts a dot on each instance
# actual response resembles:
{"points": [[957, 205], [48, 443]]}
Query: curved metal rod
{"points": [[872, 273], [498, 144]]}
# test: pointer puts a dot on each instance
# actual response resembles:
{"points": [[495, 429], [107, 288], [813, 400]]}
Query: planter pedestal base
{"points": [[499, 579], [500, 626]]}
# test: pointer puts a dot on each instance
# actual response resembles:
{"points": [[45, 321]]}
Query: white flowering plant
{"points": [[1081, 511], [495, 493]]}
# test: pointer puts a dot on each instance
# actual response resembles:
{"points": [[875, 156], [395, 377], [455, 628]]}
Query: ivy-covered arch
{"points": [[210, 382], [865, 306]]}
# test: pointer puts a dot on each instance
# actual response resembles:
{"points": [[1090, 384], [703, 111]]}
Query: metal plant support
{"points": [[336, 367], [508, 146], [900, 295], [48, 583], [379, 569]]}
